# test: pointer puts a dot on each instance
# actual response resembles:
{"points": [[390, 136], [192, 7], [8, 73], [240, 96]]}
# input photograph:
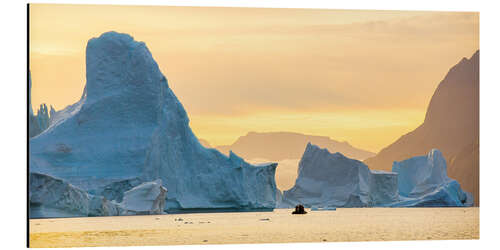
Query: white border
{"points": [[457, 5]]}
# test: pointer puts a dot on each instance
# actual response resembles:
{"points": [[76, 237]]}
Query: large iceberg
{"points": [[333, 180], [423, 182], [129, 124]]}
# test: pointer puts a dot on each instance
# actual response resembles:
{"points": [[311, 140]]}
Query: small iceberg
{"points": [[323, 208]]}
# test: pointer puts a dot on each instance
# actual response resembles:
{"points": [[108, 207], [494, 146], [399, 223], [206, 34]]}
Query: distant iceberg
{"points": [[129, 125], [327, 180], [333, 180], [323, 208], [423, 182]]}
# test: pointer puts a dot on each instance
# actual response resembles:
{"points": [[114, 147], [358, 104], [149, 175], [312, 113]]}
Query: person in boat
{"points": [[299, 209]]}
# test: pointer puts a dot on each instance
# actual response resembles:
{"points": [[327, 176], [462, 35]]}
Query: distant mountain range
{"points": [[276, 146], [451, 124]]}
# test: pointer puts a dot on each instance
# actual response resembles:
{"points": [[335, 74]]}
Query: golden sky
{"points": [[361, 76]]}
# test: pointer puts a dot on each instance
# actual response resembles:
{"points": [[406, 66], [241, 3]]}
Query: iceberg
{"points": [[39, 122], [323, 208], [423, 182], [52, 197], [129, 124], [329, 180], [115, 190], [43, 117], [147, 198], [384, 187]]}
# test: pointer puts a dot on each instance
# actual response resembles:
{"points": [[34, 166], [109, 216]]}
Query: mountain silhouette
{"points": [[276, 146], [451, 124]]}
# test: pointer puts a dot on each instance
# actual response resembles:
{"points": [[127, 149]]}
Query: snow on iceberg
{"points": [[333, 180], [147, 198], [129, 124], [423, 182]]}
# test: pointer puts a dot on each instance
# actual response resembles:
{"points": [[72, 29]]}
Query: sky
{"points": [[360, 76]]}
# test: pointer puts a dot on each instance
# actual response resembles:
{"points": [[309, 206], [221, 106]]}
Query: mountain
{"points": [[465, 167], [276, 146], [129, 125], [451, 124]]}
